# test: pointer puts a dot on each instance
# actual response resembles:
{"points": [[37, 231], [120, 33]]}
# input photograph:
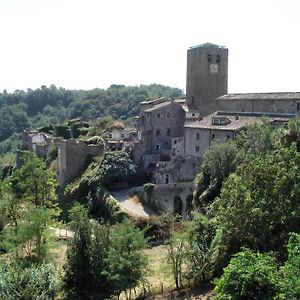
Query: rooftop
{"points": [[234, 121], [157, 106], [262, 96], [206, 45]]}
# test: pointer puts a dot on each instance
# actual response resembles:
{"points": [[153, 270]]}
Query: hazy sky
{"points": [[83, 44]]}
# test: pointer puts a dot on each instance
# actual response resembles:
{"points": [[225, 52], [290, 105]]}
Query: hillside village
{"points": [[169, 137], [213, 183]]}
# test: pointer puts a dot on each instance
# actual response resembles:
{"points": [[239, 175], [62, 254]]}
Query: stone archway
{"points": [[177, 206]]}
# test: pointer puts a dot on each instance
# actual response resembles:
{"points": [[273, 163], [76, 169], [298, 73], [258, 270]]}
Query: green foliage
{"points": [[290, 272], [176, 247], [40, 282], [116, 166], [62, 131], [101, 262], [199, 235], [10, 145], [249, 276], [13, 120], [256, 138], [86, 256], [259, 204], [28, 201], [126, 261], [219, 161], [50, 105], [89, 190], [33, 182]]}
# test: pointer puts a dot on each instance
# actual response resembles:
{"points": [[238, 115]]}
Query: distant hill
{"points": [[51, 105]]}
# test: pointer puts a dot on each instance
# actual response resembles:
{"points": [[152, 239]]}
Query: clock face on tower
{"points": [[214, 68]]}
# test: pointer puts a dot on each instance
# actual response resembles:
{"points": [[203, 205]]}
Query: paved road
{"points": [[131, 205]]}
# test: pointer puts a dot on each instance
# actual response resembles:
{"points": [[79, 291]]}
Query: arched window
{"points": [[218, 58], [209, 57]]}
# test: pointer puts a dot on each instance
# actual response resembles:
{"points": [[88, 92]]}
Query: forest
{"points": [[242, 238], [22, 110]]}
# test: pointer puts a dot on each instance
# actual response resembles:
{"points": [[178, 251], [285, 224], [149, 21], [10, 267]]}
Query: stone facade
{"points": [[206, 77], [72, 159], [160, 121], [174, 197], [207, 115], [37, 142], [281, 103]]}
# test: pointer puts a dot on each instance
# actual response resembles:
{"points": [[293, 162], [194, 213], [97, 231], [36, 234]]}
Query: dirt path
{"points": [[131, 205]]}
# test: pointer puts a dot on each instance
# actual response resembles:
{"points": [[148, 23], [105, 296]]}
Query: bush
{"points": [[30, 283], [249, 276], [290, 284]]}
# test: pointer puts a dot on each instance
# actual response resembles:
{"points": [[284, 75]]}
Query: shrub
{"points": [[290, 284], [249, 276], [30, 283]]}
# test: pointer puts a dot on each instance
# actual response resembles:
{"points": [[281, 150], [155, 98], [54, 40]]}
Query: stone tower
{"points": [[207, 73]]}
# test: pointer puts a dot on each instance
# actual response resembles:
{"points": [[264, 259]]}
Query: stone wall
{"points": [[198, 140], [179, 169], [72, 159], [174, 197], [281, 106]]}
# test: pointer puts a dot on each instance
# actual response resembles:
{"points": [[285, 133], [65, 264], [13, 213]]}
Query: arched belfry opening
{"points": [[178, 206]]}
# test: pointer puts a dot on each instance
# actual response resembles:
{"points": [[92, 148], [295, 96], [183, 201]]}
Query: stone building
{"points": [[37, 142], [160, 120], [176, 134], [206, 78], [72, 159]]}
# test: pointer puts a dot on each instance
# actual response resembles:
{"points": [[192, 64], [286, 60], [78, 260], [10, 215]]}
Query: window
{"points": [[218, 58], [158, 115], [158, 132], [193, 100], [168, 132], [168, 114], [193, 115], [298, 106], [198, 136], [157, 147], [175, 142], [122, 135], [148, 115], [209, 58], [110, 135], [213, 137], [228, 137], [167, 179], [220, 121], [197, 149]]}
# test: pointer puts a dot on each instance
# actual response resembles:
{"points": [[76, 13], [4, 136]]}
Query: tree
{"points": [[31, 211], [86, 257], [256, 138], [290, 272], [116, 166], [176, 247], [78, 268], [40, 282], [219, 161], [259, 204], [34, 183], [249, 276], [127, 265]]}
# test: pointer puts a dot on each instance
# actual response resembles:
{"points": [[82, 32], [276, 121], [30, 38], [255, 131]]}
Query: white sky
{"points": [[83, 44]]}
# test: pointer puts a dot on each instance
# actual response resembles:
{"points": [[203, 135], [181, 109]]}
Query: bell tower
{"points": [[207, 76]]}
